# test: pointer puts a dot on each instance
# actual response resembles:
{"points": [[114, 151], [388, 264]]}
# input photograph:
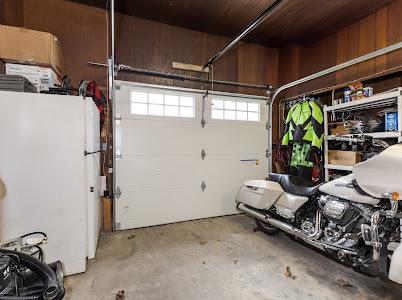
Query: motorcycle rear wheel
{"points": [[266, 228]]}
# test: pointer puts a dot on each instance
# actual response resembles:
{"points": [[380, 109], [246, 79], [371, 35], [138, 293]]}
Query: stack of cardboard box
{"points": [[32, 54]]}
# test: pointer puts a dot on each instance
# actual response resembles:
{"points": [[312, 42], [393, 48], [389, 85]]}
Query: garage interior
{"points": [[189, 149]]}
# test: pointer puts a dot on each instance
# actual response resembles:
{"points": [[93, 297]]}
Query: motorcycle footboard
{"points": [[259, 194]]}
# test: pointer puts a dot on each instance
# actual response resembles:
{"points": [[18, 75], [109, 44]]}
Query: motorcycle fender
{"points": [[395, 270]]}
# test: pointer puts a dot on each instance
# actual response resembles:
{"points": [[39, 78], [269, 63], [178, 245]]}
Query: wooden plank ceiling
{"points": [[299, 21]]}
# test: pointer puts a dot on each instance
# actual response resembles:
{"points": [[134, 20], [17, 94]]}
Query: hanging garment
{"points": [[304, 132], [305, 124], [301, 162], [87, 88]]}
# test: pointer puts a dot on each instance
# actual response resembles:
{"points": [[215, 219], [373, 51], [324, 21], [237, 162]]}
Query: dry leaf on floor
{"points": [[343, 283], [120, 295], [289, 273], [203, 242], [131, 236], [235, 261]]}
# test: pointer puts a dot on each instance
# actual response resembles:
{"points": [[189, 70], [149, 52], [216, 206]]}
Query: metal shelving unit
{"points": [[386, 99]]}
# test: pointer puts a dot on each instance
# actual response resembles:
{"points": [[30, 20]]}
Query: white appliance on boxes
{"points": [[47, 175]]}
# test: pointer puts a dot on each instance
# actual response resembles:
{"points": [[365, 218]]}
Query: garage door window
{"points": [[235, 110], [161, 104]]}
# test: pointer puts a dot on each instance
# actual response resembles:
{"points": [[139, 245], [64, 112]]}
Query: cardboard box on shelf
{"points": [[19, 45], [343, 158], [338, 129], [43, 78]]}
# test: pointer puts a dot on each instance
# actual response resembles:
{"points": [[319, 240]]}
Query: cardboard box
{"points": [[107, 214], [18, 45], [42, 78], [338, 129], [343, 158]]}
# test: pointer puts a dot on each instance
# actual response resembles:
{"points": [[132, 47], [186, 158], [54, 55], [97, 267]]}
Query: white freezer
{"points": [[43, 167]]}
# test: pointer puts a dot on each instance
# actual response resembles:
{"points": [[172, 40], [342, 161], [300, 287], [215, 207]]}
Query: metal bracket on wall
{"points": [[203, 122], [270, 91], [203, 154], [267, 153], [203, 186], [117, 193], [267, 125]]}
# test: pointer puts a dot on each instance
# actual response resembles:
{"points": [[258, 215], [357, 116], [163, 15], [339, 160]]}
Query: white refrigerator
{"points": [[92, 157], [51, 179]]}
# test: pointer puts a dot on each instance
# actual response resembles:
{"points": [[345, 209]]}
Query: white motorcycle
{"points": [[355, 219]]}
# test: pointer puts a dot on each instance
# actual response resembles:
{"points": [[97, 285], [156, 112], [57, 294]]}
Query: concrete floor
{"points": [[219, 258]]}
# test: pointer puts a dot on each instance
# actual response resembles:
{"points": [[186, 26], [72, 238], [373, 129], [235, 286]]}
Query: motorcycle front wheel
{"points": [[266, 228]]}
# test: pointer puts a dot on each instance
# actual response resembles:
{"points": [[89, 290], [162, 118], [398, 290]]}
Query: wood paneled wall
{"points": [[376, 31], [82, 31], [12, 12], [150, 45]]}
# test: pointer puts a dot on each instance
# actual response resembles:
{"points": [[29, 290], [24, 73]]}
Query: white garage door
{"points": [[169, 168]]}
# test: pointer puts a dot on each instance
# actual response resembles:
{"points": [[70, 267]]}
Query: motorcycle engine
{"points": [[338, 214], [332, 233], [337, 211]]}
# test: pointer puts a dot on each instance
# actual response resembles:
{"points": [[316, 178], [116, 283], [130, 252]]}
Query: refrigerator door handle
{"points": [[88, 153]]}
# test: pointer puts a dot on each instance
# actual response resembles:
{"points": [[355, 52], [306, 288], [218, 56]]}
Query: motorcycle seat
{"points": [[294, 184]]}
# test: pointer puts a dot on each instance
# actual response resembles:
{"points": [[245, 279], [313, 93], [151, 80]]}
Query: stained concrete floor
{"points": [[218, 258]]}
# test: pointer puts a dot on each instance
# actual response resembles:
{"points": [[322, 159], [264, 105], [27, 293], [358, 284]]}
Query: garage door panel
{"points": [[234, 138], [232, 142], [143, 137], [237, 168], [152, 172], [149, 208]]}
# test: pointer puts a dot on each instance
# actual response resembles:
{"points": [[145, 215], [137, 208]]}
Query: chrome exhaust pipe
{"points": [[268, 219], [317, 230], [292, 230]]}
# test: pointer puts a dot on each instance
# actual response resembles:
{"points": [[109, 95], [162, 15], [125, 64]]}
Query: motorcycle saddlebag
{"points": [[260, 194]]}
